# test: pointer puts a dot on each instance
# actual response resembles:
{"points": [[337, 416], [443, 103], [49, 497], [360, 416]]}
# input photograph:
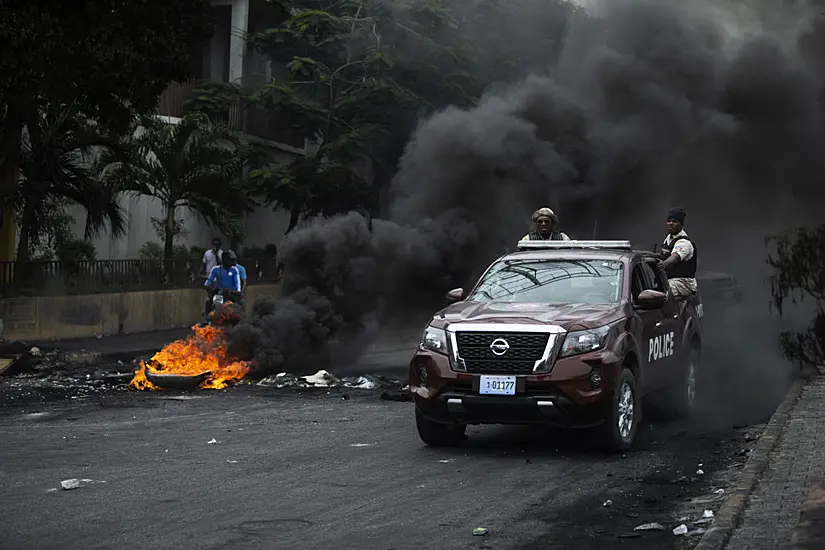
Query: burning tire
{"points": [[201, 360], [436, 434]]}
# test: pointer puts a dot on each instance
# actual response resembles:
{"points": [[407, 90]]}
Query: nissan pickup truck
{"points": [[565, 333]]}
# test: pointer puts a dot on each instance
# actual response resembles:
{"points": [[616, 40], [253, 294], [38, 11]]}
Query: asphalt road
{"points": [[299, 469], [318, 471]]}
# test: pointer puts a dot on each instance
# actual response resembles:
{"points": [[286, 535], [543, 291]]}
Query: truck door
{"points": [[651, 332], [667, 350]]}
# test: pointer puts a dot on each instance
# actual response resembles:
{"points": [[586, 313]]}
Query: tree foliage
{"points": [[58, 167], [196, 164], [798, 273], [108, 59], [359, 74]]}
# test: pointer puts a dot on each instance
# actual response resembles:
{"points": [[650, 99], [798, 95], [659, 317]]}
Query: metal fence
{"points": [[92, 277]]}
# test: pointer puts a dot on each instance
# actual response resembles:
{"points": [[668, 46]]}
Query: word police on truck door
{"points": [[660, 347]]}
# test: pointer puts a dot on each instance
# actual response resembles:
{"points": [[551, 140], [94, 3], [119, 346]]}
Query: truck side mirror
{"points": [[455, 295]]}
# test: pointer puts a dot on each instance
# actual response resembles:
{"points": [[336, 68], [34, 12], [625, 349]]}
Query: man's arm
{"points": [[211, 279], [205, 260], [682, 252], [242, 271]]}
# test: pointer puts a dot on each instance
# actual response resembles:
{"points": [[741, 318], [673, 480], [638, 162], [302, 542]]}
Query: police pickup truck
{"points": [[566, 333]]}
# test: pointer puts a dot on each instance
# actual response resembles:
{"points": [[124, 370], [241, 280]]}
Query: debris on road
{"points": [[325, 379], [69, 484], [231, 461], [212, 441], [607, 503], [707, 514], [650, 527], [681, 530], [361, 444], [700, 472], [719, 492], [396, 395], [320, 378], [362, 382], [479, 531], [74, 483]]}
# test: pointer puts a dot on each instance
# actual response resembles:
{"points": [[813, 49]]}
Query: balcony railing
{"points": [[99, 276], [243, 118], [172, 100]]}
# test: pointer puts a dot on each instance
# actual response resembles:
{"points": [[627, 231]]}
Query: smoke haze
{"points": [[712, 106]]}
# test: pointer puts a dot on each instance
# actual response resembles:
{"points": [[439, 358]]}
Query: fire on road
{"points": [[201, 357]]}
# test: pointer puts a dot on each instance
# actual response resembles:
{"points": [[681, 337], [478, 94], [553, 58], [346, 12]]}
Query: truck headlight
{"points": [[434, 339], [582, 341]]}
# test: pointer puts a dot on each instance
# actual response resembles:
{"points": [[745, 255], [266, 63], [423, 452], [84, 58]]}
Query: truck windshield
{"points": [[552, 281]]}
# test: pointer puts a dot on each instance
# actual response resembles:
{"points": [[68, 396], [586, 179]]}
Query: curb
{"points": [[727, 518]]}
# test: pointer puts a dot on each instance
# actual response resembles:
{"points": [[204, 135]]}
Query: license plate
{"points": [[497, 385]]}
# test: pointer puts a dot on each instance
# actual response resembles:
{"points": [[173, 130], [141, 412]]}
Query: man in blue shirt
{"points": [[224, 277]]}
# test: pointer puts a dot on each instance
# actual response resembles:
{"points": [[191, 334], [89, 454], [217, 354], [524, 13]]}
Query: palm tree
{"points": [[195, 164], [58, 166]]}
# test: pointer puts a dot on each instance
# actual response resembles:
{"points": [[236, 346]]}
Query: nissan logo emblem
{"points": [[499, 346]]}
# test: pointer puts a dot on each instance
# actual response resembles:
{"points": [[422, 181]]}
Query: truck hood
{"points": [[568, 316]]}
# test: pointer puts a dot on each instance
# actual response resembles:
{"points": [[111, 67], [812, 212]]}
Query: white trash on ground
{"points": [[69, 484], [74, 483], [650, 527], [324, 379]]}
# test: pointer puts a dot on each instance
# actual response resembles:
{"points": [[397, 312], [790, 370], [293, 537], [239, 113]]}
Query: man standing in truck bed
{"points": [[545, 221], [679, 256]]}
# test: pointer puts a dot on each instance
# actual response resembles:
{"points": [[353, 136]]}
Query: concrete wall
{"points": [[84, 315], [263, 226]]}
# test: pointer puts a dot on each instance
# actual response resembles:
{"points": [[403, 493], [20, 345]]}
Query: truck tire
{"points": [[682, 393], [622, 422], [436, 434]]}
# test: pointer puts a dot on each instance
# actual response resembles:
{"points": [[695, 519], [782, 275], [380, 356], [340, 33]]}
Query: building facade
{"points": [[225, 58]]}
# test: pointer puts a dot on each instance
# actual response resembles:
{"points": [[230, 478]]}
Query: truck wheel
{"points": [[435, 434], [682, 394], [620, 426]]}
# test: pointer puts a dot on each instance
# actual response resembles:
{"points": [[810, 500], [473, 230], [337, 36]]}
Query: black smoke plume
{"points": [[713, 106]]}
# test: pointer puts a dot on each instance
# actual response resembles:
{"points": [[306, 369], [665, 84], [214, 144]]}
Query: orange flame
{"points": [[204, 351]]}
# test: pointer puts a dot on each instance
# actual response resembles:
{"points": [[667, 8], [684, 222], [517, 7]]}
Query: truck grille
{"points": [[525, 349]]}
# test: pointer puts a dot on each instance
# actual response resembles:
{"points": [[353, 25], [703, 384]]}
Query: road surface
{"points": [[344, 469], [315, 470]]}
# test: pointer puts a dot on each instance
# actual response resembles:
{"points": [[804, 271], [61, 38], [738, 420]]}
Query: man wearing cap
{"points": [[545, 230], [679, 256]]}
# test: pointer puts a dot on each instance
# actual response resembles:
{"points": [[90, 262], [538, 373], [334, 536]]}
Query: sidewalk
{"points": [[137, 342], [786, 508]]}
